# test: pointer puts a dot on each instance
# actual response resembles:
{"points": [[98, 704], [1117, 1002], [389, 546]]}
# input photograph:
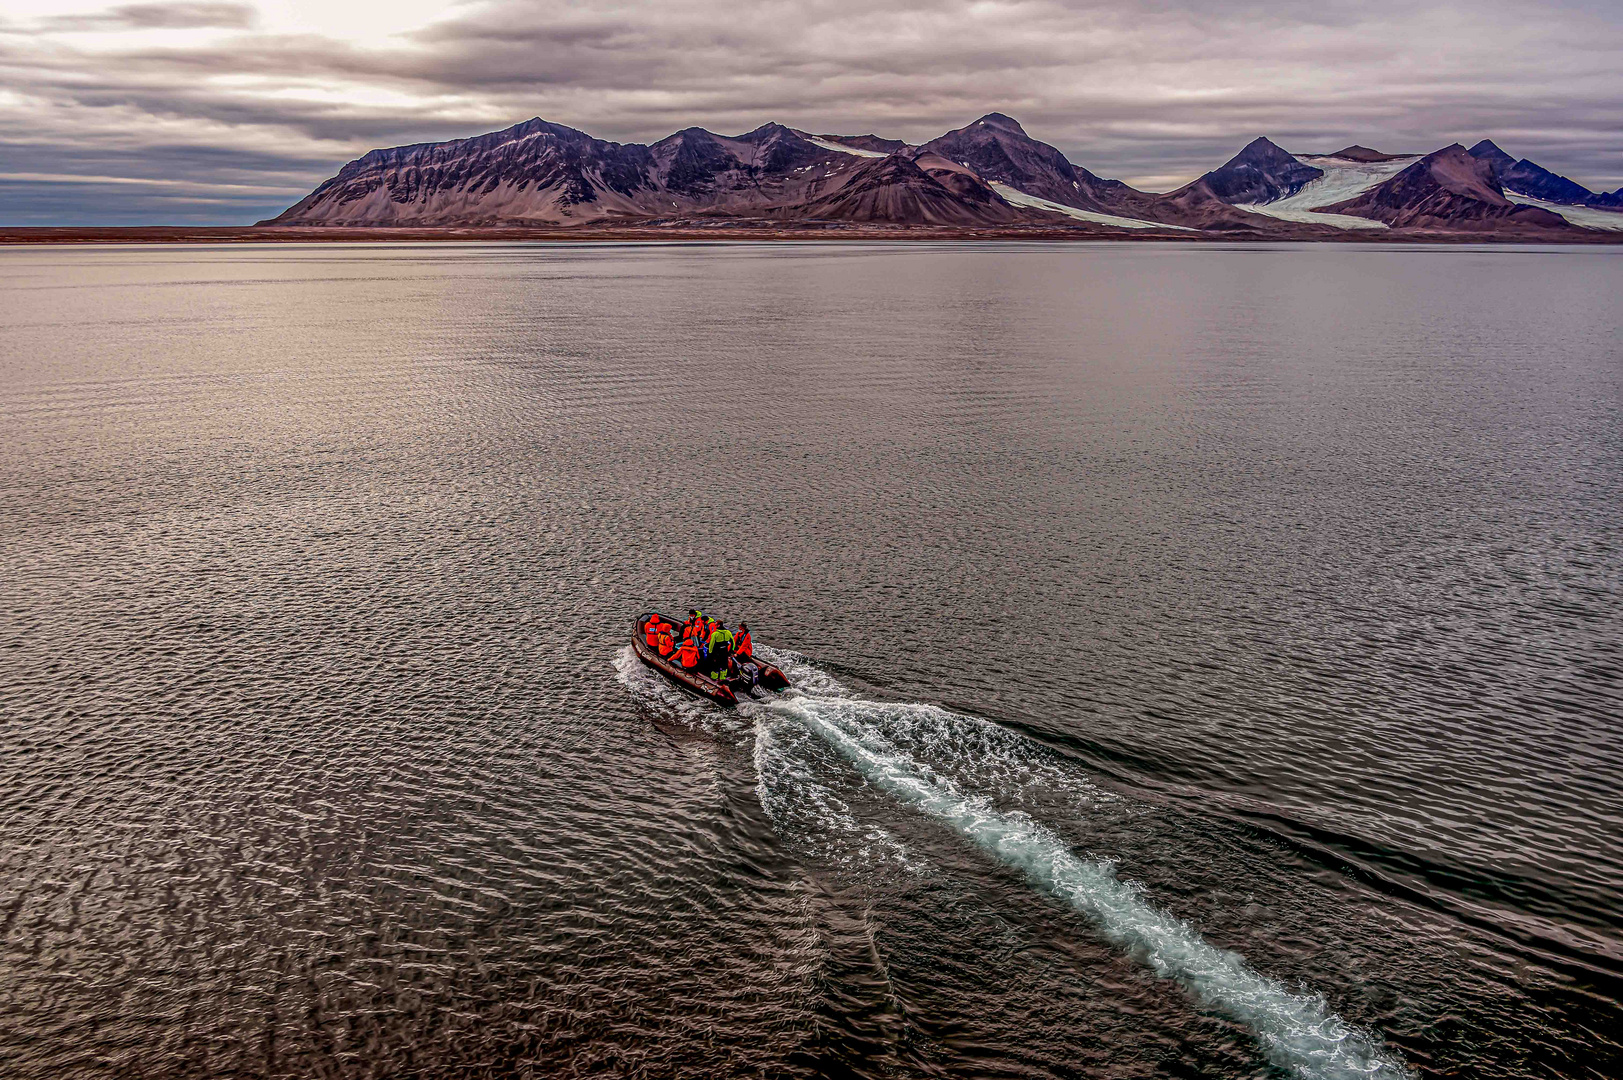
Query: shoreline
{"points": [[749, 231]]}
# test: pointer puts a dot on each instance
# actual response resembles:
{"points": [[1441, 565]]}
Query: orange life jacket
{"points": [[665, 643], [743, 647], [709, 628], [651, 633], [689, 653]]}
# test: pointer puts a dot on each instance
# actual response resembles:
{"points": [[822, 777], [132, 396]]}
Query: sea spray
{"points": [[1297, 1031], [809, 808]]}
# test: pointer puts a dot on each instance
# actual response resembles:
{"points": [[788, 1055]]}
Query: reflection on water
{"points": [[1287, 578]]}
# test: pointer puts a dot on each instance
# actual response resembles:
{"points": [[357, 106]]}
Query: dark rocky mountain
{"points": [[896, 190], [529, 171], [959, 179], [1529, 178], [862, 142], [695, 169], [1487, 150], [1260, 173], [1447, 190], [537, 172], [1196, 206], [988, 174], [1001, 152], [998, 149]]}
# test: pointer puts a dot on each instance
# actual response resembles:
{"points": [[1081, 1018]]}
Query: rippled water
{"points": [[1210, 661]]}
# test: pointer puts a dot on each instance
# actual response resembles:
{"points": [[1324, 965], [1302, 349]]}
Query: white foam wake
{"points": [[1297, 1031]]}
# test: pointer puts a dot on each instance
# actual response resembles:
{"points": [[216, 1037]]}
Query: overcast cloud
{"points": [[218, 112]]}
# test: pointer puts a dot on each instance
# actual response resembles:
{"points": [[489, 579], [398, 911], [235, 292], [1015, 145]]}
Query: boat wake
{"points": [[975, 778]]}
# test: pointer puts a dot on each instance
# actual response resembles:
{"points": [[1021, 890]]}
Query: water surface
{"points": [[1210, 661]]}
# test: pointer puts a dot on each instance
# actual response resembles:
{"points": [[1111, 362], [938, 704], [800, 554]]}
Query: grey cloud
{"points": [[1158, 90], [179, 15]]}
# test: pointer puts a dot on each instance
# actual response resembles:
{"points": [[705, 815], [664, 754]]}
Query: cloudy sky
{"points": [[226, 111]]}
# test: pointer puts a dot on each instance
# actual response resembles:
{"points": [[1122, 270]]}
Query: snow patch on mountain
{"points": [[1020, 198], [1586, 216], [841, 148], [1343, 179]]}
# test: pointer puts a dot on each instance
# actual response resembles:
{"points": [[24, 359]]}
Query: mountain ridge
{"points": [[1261, 172], [540, 173], [1529, 178], [1449, 188]]}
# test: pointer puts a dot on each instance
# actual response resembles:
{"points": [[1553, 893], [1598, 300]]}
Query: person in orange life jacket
{"points": [[695, 626], [666, 645], [688, 654], [650, 632], [743, 648]]}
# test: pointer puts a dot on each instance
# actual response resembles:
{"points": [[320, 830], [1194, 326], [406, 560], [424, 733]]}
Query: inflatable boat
{"points": [[722, 692]]}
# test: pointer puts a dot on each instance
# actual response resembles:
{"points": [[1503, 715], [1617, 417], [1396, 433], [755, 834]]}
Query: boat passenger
{"points": [[721, 650], [650, 632], [743, 648], [688, 654], [666, 644]]}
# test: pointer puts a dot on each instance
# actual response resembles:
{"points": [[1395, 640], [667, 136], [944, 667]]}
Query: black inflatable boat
{"points": [[723, 692]]}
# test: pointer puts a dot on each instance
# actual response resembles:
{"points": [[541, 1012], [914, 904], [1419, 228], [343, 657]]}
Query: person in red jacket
{"points": [[688, 654], [666, 644], [650, 632], [743, 648]]}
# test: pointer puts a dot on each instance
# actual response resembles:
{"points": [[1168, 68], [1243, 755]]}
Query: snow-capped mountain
{"points": [[989, 174]]}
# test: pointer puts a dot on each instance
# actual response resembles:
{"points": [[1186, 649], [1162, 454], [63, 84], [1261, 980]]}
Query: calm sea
{"points": [[1209, 661]]}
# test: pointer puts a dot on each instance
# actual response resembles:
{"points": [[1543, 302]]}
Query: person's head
{"points": [[743, 626]]}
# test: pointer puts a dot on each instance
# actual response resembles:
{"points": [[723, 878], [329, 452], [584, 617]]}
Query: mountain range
{"points": [[987, 176]]}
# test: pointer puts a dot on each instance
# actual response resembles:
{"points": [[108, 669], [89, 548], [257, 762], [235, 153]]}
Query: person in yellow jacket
{"points": [[721, 651]]}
